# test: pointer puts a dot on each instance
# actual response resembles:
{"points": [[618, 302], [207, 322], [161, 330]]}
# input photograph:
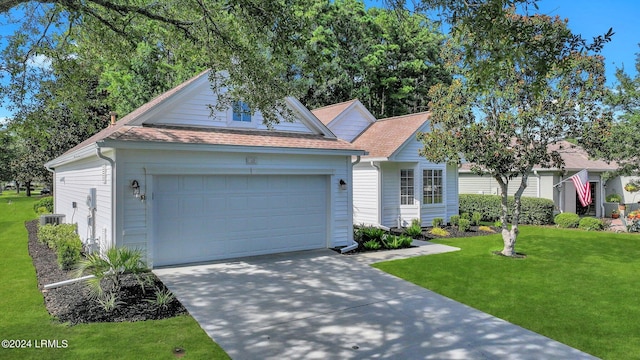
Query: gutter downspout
{"points": [[354, 244], [379, 195], [113, 191], [53, 190]]}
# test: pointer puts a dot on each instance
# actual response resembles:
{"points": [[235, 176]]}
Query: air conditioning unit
{"points": [[53, 219]]}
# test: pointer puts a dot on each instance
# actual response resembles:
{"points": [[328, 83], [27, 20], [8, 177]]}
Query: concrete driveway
{"points": [[321, 305]]}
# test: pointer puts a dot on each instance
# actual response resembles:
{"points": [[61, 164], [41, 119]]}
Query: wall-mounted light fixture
{"points": [[343, 185], [136, 188]]}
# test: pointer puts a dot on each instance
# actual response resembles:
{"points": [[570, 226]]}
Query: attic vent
{"points": [[53, 219]]}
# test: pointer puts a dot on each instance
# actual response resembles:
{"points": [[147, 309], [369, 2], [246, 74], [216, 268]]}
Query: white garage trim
{"points": [[209, 217]]}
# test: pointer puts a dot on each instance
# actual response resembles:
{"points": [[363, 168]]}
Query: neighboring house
{"points": [[549, 184], [393, 184], [187, 185]]}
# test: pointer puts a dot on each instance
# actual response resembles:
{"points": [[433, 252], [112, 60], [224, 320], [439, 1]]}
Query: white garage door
{"points": [[199, 218]]}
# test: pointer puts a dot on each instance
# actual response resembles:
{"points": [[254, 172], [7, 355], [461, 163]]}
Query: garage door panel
{"points": [[201, 218]]}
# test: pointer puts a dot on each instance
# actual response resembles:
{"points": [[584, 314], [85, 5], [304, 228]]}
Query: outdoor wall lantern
{"points": [[343, 185], [136, 188]]}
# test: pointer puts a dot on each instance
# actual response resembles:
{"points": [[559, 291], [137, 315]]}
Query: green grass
{"points": [[24, 315], [580, 288]]}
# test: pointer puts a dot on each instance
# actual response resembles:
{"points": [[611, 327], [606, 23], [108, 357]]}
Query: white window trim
{"points": [[443, 185], [415, 201]]}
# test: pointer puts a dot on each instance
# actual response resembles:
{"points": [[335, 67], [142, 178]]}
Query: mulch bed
{"points": [[73, 304]]}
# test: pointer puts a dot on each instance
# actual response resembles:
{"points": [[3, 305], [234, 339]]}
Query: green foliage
{"points": [[54, 235], [591, 224], [615, 198], [366, 233], [464, 225], [454, 220], [514, 75], [363, 53], [415, 230], [109, 269], [476, 218], [533, 211], [163, 297], [567, 220], [69, 251], [109, 302], [497, 223], [439, 231], [396, 242], [465, 215], [46, 203], [437, 222], [372, 245]]}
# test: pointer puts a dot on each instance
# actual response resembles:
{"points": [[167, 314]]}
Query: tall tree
{"points": [[624, 136], [256, 45], [386, 58], [522, 82]]}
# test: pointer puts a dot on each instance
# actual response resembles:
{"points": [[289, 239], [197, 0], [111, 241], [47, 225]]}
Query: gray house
{"points": [[549, 184]]}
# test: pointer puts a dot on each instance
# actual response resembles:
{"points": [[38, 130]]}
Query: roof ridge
{"points": [[404, 116], [336, 104]]}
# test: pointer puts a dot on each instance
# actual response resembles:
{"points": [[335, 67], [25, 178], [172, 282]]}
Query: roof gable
{"points": [[386, 137], [347, 120], [155, 114]]}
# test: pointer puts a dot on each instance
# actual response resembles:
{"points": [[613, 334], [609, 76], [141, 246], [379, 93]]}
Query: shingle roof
{"points": [[135, 114], [575, 159], [327, 113], [124, 131], [223, 136], [385, 136]]}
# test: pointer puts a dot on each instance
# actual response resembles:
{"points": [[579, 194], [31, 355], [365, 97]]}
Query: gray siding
{"points": [[365, 194]]}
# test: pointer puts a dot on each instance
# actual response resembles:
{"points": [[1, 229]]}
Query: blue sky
{"points": [[587, 17]]}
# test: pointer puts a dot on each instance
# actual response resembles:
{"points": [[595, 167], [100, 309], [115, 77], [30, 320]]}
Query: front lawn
{"points": [[24, 316], [580, 288]]}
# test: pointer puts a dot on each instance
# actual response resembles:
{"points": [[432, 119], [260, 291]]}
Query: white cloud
{"points": [[39, 61]]}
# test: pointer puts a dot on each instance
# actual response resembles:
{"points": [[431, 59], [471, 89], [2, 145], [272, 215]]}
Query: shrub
{"points": [[372, 245], [439, 232], [108, 269], [534, 211], [367, 233], [497, 223], [486, 229], [405, 241], [475, 218], [53, 235], [69, 250], [464, 225], [567, 220], [615, 198], [437, 222], [414, 230], [46, 203], [590, 223], [465, 215], [454, 220]]}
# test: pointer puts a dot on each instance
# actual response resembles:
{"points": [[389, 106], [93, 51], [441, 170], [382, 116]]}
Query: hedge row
{"points": [[44, 205], [533, 211], [64, 240]]}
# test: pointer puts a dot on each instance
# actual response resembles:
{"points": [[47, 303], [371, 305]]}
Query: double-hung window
{"points": [[406, 187], [432, 187], [241, 111]]}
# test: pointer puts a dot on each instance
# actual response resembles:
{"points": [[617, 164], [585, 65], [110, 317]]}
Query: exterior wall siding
{"points": [[72, 184], [349, 125], [194, 110], [136, 225], [365, 194], [476, 184]]}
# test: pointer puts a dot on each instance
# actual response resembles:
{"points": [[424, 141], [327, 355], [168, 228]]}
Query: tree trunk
{"points": [[509, 240], [28, 188]]}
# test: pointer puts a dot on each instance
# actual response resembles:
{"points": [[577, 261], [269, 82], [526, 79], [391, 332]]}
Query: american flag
{"points": [[583, 188]]}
